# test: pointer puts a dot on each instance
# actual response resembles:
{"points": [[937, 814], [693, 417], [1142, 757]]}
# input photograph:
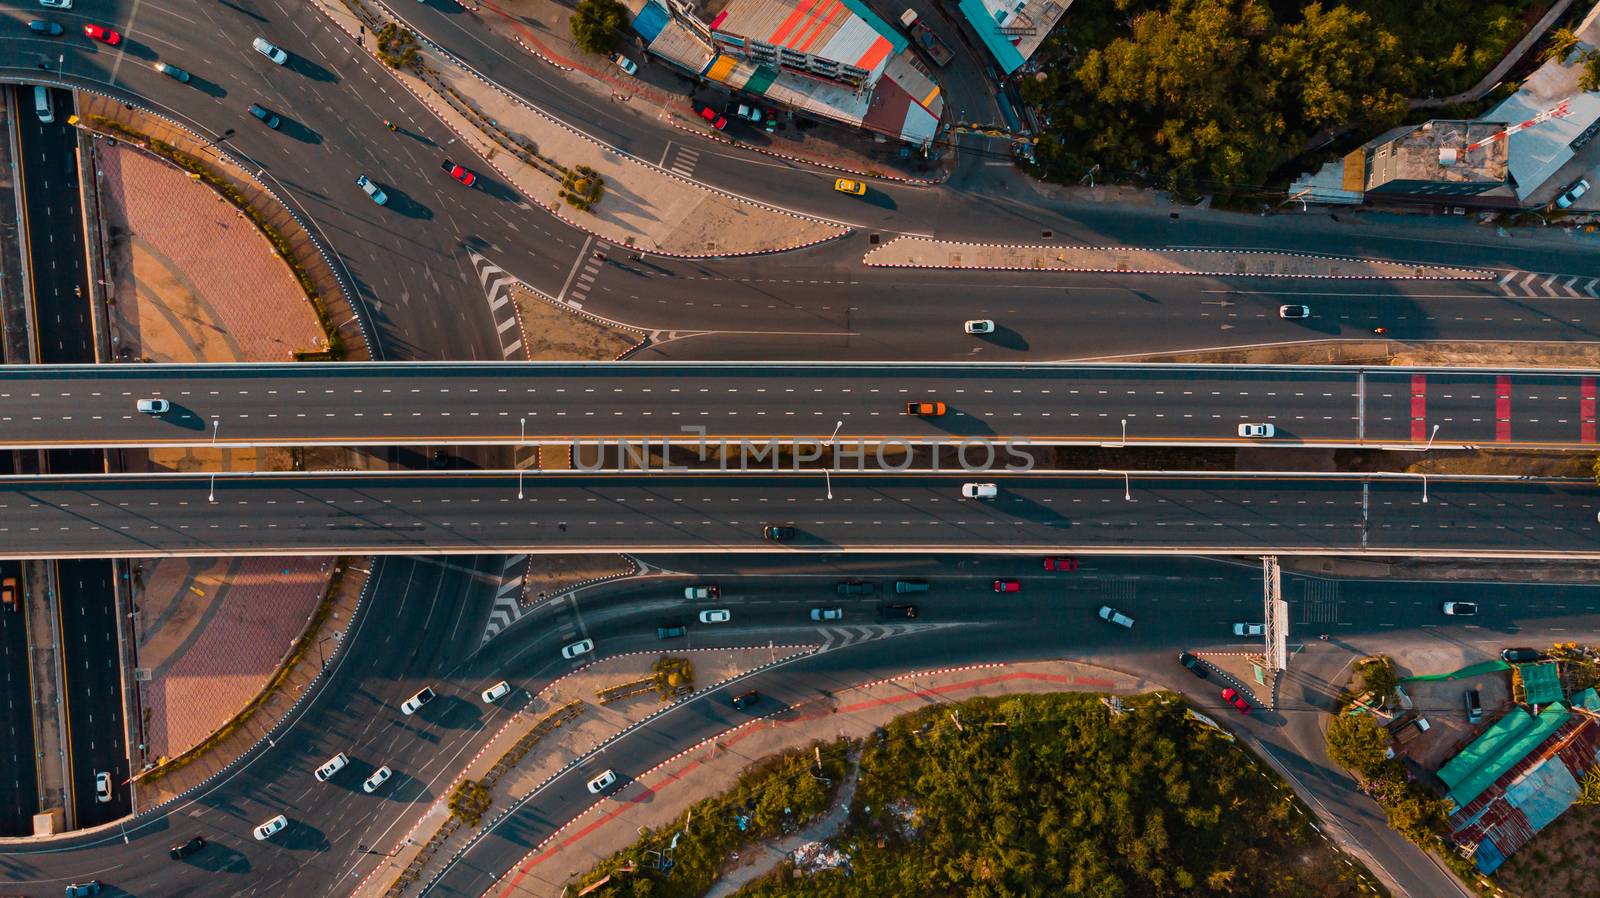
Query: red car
{"points": [[1232, 697], [460, 174], [102, 34], [1008, 586], [1064, 565], [714, 118]]}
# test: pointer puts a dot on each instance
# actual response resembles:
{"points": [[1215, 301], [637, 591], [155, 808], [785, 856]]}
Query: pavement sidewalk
{"points": [[49, 716], [921, 252], [659, 797], [644, 207]]}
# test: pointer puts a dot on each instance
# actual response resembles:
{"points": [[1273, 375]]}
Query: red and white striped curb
{"points": [[633, 566], [802, 649]]}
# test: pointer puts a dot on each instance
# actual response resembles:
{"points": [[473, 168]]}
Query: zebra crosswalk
{"points": [[1559, 286]]}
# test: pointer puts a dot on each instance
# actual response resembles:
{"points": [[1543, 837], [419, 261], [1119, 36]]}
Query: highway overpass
{"points": [[436, 512], [527, 403]]}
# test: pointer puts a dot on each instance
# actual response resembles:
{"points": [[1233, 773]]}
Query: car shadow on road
{"points": [[137, 51], [497, 189], [1005, 338], [242, 11], [879, 199], [952, 423], [297, 131], [185, 417], [206, 86], [302, 836], [215, 858], [303, 66], [402, 203]]}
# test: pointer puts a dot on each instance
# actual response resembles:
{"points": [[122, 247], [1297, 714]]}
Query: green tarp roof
{"points": [[1541, 683], [1501, 746]]}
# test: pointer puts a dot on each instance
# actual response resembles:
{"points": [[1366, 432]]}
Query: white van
{"points": [[334, 765], [43, 105]]}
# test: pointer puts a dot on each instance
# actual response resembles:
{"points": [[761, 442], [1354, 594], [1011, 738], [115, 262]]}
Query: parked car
{"points": [[1008, 586], [675, 632], [460, 174], [979, 490], [713, 118], [1194, 665], [777, 533], [267, 117], [372, 190], [333, 765], [172, 71], [1232, 697], [1293, 312], [1264, 431], [855, 588], [715, 616], [925, 409], [102, 34], [1521, 656], [707, 591], [850, 186], [1112, 615], [48, 29], [1061, 565], [496, 692], [271, 828], [1572, 194], [411, 705], [1246, 629], [581, 647], [751, 113], [745, 700], [625, 64], [269, 50], [1461, 609], [827, 613], [979, 326], [102, 787], [604, 781], [179, 852], [378, 778], [1474, 705]]}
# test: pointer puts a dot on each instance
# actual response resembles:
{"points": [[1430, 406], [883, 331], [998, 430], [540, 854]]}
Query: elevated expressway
{"points": [[503, 511], [527, 403]]}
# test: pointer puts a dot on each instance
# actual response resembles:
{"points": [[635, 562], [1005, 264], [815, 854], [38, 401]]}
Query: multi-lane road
{"points": [[389, 404], [448, 512]]}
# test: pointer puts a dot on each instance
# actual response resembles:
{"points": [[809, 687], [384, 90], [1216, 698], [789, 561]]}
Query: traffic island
{"points": [[921, 252]]}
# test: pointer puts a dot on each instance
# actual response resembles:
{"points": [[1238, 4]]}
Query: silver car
{"points": [[372, 190], [270, 50]]}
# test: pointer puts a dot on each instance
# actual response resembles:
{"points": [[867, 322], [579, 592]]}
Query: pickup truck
{"points": [[1409, 726], [925, 38]]}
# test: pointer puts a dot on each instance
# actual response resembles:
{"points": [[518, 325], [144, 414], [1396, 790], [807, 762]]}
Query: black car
{"points": [[1521, 656], [39, 26], [745, 700], [179, 852], [1194, 665], [1474, 706], [778, 533], [670, 632], [894, 611], [857, 588]]}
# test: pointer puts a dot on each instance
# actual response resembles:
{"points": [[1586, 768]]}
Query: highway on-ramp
{"points": [[509, 404], [437, 512]]}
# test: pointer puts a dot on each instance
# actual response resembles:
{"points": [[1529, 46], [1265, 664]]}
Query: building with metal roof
{"points": [[1011, 30]]}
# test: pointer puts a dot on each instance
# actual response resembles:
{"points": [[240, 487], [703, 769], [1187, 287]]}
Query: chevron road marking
{"points": [[508, 598]]}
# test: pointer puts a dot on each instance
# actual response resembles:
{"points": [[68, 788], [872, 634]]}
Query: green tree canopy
{"points": [[1356, 742], [597, 25]]}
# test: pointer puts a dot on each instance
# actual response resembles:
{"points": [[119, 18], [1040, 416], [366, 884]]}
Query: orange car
{"points": [[925, 409], [8, 594]]}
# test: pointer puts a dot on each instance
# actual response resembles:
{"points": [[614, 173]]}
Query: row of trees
{"points": [[1217, 94]]}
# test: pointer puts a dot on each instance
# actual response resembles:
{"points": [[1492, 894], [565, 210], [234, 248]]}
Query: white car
{"points": [[411, 705], [331, 766], [270, 50], [603, 782], [701, 592], [979, 326], [715, 616], [56, 4], [827, 613], [378, 778], [102, 787], [1257, 430], [1573, 193], [581, 647], [979, 490], [1112, 615], [1293, 312], [1249, 629], [271, 828], [153, 406], [372, 190], [1461, 609], [496, 692], [626, 64]]}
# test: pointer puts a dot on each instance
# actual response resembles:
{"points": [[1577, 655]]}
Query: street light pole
{"points": [[1431, 435], [216, 428], [827, 478], [1424, 489], [519, 483], [836, 426], [213, 496], [1127, 487], [1124, 431]]}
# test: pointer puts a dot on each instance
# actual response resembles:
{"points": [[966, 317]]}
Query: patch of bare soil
{"points": [[1560, 861], [549, 575], [552, 334]]}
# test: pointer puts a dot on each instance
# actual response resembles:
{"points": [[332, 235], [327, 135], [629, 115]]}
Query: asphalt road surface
{"points": [[444, 512], [92, 688], [386, 404], [47, 163], [19, 787]]}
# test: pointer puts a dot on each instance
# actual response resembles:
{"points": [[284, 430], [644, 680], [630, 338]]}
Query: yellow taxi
{"points": [[854, 188]]}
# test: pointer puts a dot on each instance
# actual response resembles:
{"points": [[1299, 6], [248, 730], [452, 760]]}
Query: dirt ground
{"points": [[552, 574], [552, 334], [1561, 860], [1442, 703]]}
